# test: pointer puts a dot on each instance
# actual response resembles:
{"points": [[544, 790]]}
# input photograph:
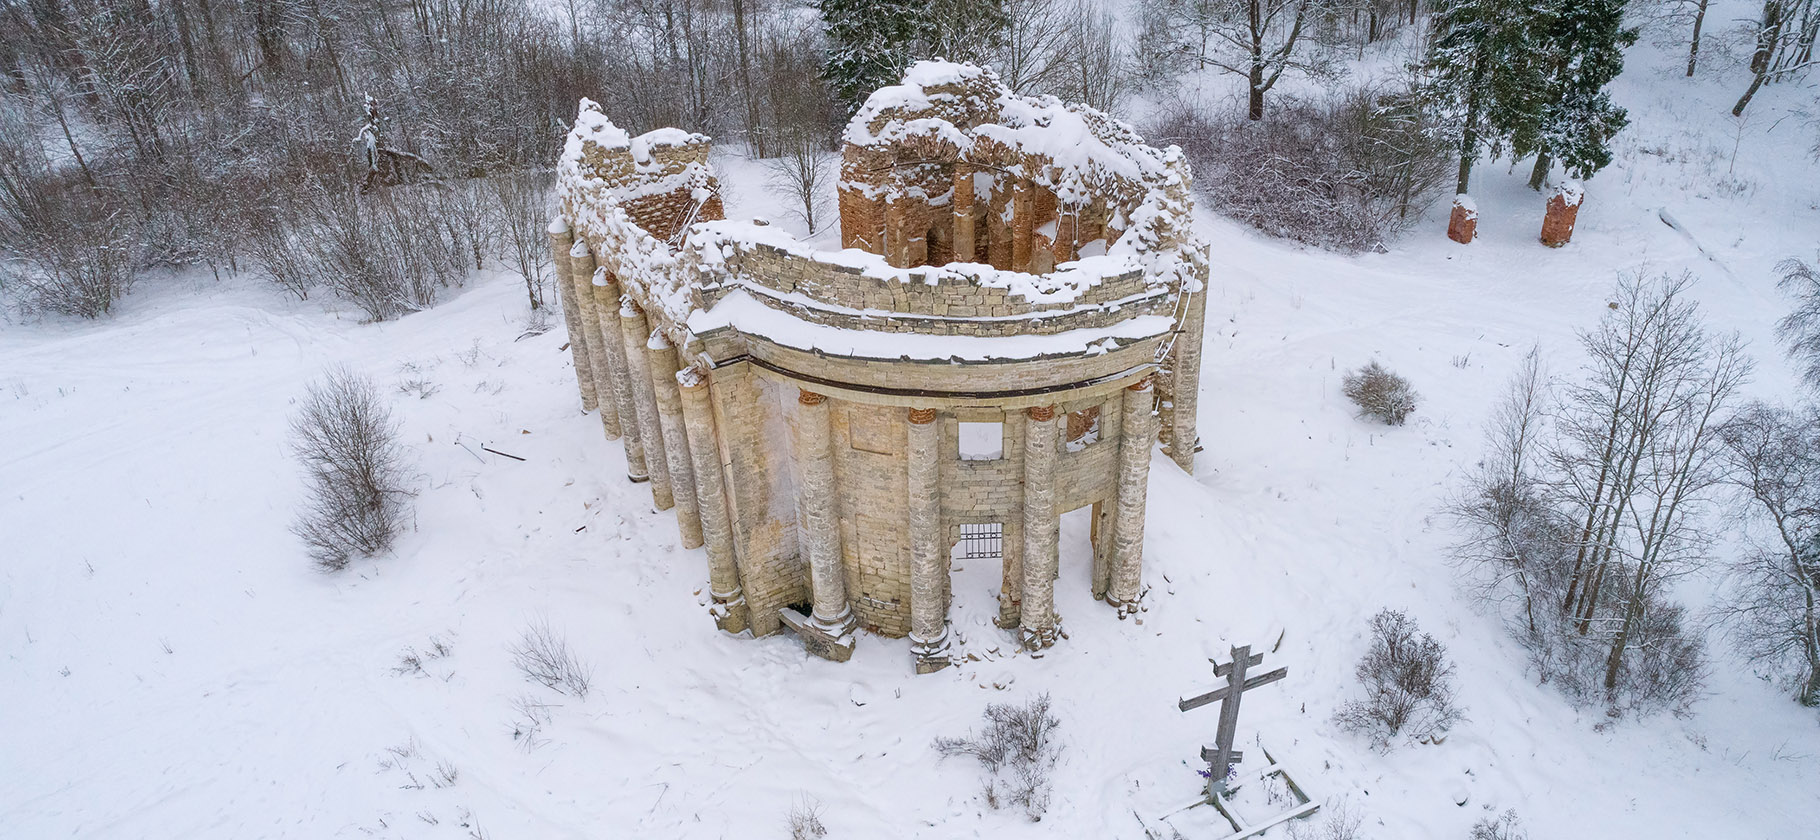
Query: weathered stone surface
{"points": [[662, 361], [581, 275], [561, 240], [819, 640], [1042, 529], [635, 332], [619, 392]]}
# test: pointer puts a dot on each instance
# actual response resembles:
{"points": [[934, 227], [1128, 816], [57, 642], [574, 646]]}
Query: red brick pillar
{"points": [[1463, 225], [1563, 210], [964, 240]]}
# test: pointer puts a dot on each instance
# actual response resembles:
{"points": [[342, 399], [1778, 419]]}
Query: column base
{"points": [[1038, 639], [931, 656], [730, 612], [829, 641], [1126, 609]]}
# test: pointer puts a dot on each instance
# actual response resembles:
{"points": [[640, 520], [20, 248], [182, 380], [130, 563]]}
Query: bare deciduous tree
{"points": [[1590, 502], [1800, 328], [1775, 605], [1257, 40], [521, 203]]}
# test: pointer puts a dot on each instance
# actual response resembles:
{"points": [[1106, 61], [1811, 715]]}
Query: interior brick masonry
{"points": [[785, 401]]}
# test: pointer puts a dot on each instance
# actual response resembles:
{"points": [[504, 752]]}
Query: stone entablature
{"points": [[802, 410]]}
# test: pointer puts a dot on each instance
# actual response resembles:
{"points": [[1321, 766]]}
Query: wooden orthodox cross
{"points": [[1221, 756]]}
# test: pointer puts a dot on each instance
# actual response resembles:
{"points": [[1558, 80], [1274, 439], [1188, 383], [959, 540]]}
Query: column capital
{"points": [[1041, 413], [691, 378], [921, 416], [1144, 384], [807, 397]]}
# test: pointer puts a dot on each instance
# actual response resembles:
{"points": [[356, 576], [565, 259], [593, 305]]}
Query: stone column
{"points": [[964, 241], [636, 331], [561, 241], [1023, 225], [1042, 529], [729, 608], [928, 574], [1563, 209], [829, 632], [1185, 396], [1137, 434], [581, 274], [1463, 222], [676, 439], [619, 391]]}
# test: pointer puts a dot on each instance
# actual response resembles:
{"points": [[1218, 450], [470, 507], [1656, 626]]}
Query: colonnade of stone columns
{"points": [[666, 418], [629, 373]]}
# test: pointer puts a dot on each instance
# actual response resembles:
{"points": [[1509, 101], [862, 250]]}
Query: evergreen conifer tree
{"points": [[871, 42], [1582, 51], [1484, 75]]}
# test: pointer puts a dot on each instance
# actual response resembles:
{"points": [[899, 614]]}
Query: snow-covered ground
{"points": [[171, 665]]}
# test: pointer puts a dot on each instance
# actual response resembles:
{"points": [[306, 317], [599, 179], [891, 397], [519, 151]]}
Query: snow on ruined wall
{"points": [[1077, 150]]}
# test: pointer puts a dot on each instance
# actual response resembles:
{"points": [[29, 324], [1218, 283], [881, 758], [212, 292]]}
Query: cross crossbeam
{"points": [[1221, 756]]}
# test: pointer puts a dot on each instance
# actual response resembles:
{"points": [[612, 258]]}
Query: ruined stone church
{"points": [[1012, 323]]}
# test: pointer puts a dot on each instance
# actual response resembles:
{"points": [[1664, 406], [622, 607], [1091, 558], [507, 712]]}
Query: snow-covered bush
{"points": [[1379, 393], [1505, 826], [355, 477], [1408, 684], [1348, 173], [543, 656], [1018, 751]]}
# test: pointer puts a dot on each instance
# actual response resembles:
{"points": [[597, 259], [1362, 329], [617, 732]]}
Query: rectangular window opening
{"points": [[1083, 429], [982, 441]]}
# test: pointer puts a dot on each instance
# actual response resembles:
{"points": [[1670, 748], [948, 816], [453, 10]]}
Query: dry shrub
{"points": [[806, 821], [354, 470], [543, 656], [1505, 826], [1379, 393], [1348, 172], [1408, 684], [64, 251], [1018, 751]]}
